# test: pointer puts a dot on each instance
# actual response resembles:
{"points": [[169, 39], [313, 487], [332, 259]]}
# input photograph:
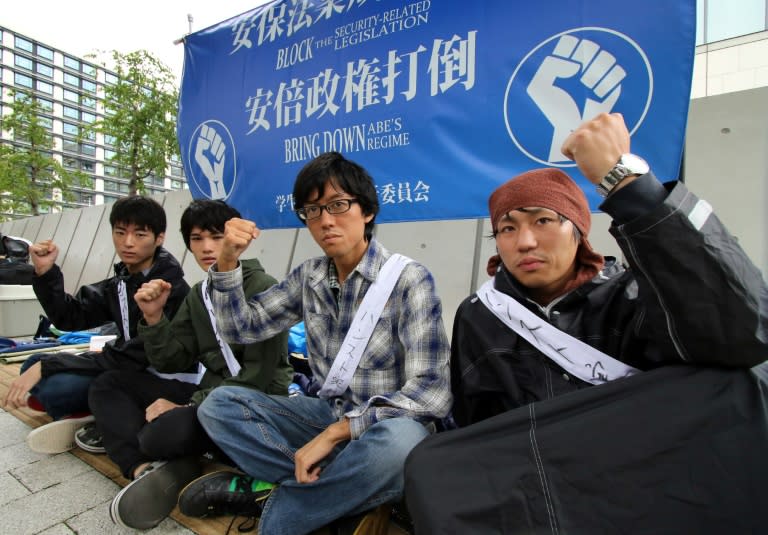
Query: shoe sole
{"points": [[56, 437], [148, 500], [187, 496]]}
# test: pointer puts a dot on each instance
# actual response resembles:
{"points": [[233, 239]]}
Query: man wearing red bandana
{"points": [[596, 397]]}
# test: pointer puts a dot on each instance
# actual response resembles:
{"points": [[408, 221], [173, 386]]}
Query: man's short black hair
{"points": [[206, 215], [141, 211], [349, 176]]}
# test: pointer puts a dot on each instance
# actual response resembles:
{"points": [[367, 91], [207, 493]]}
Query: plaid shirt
{"points": [[404, 370]]}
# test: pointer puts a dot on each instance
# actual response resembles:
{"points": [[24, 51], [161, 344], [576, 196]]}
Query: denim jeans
{"points": [[261, 433], [61, 394]]}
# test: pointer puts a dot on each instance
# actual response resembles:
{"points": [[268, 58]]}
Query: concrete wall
{"points": [[729, 168]]}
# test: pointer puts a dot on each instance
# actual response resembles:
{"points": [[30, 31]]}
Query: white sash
{"points": [[122, 295], [365, 320], [574, 356], [229, 357], [193, 378]]}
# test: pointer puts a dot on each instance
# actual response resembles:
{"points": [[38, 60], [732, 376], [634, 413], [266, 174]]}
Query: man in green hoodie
{"points": [[148, 423]]}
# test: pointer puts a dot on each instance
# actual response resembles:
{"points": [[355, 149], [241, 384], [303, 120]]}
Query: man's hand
{"points": [[151, 298], [597, 145], [307, 461], [18, 391], [238, 234], [159, 407], [43, 256]]}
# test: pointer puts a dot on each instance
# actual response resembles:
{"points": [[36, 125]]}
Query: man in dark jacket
{"points": [[146, 420], [645, 453], [60, 381]]}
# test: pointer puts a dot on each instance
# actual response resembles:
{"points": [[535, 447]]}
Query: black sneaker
{"points": [[224, 493], [148, 499], [89, 438]]}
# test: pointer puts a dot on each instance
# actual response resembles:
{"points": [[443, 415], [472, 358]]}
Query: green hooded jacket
{"points": [[177, 345]]}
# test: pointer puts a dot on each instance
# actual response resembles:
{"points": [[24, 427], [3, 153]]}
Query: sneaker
{"points": [[224, 493], [89, 438], [373, 522], [58, 436], [148, 499]]}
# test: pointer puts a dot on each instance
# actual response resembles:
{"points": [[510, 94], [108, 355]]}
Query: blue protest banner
{"points": [[441, 100]]}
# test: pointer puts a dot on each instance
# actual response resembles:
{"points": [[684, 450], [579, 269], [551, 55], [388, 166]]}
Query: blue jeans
{"points": [[61, 394], [261, 433]]}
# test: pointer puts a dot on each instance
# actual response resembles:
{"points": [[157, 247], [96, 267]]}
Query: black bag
{"points": [[14, 248], [14, 255], [669, 451]]}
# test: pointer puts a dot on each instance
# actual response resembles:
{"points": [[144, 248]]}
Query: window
{"points": [[71, 96], [90, 70], [109, 140], [109, 199], [72, 63], [72, 113], [90, 135], [88, 117], [70, 163], [176, 171], [88, 167], [109, 154], [725, 21], [176, 184], [88, 150], [71, 79], [45, 104], [110, 78], [88, 102], [45, 122], [71, 129], [44, 69], [89, 86], [24, 63], [22, 80], [110, 170], [44, 87], [70, 146], [44, 52], [23, 44]]}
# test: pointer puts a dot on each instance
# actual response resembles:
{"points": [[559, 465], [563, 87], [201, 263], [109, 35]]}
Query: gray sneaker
{"points": [[56, 437], [148, 499]]}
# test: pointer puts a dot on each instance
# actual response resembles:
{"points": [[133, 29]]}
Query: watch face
{"points": [[634, 163]]}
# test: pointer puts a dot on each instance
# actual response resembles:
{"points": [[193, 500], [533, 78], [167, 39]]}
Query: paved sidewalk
{"points": [[55, 494]]}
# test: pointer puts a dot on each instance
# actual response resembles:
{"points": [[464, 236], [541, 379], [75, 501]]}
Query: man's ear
{"points": [[160, 239]]}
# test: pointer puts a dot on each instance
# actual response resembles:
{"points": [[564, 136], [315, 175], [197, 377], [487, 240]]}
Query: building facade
{"points": [[70, 90]]}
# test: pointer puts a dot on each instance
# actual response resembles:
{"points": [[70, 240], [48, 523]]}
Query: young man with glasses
{"points": [[340, 455]]}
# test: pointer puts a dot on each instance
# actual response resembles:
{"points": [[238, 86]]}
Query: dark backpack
{"points": [[14, 257]]}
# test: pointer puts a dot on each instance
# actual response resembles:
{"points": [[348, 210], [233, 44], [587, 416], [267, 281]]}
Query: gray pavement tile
{"points": [[42, 510], [17, 455], [51, 470], [12, 430], [96, 521], [58, 529], [10, 488]]}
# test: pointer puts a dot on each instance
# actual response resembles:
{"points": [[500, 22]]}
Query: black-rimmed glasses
{"points": [[313, 211]]}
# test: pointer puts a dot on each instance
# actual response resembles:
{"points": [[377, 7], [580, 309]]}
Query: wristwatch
{"points": [[628, 165]]}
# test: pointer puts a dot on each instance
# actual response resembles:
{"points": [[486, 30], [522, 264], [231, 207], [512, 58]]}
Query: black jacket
{"points": [[689, 296], [96, 304]]}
